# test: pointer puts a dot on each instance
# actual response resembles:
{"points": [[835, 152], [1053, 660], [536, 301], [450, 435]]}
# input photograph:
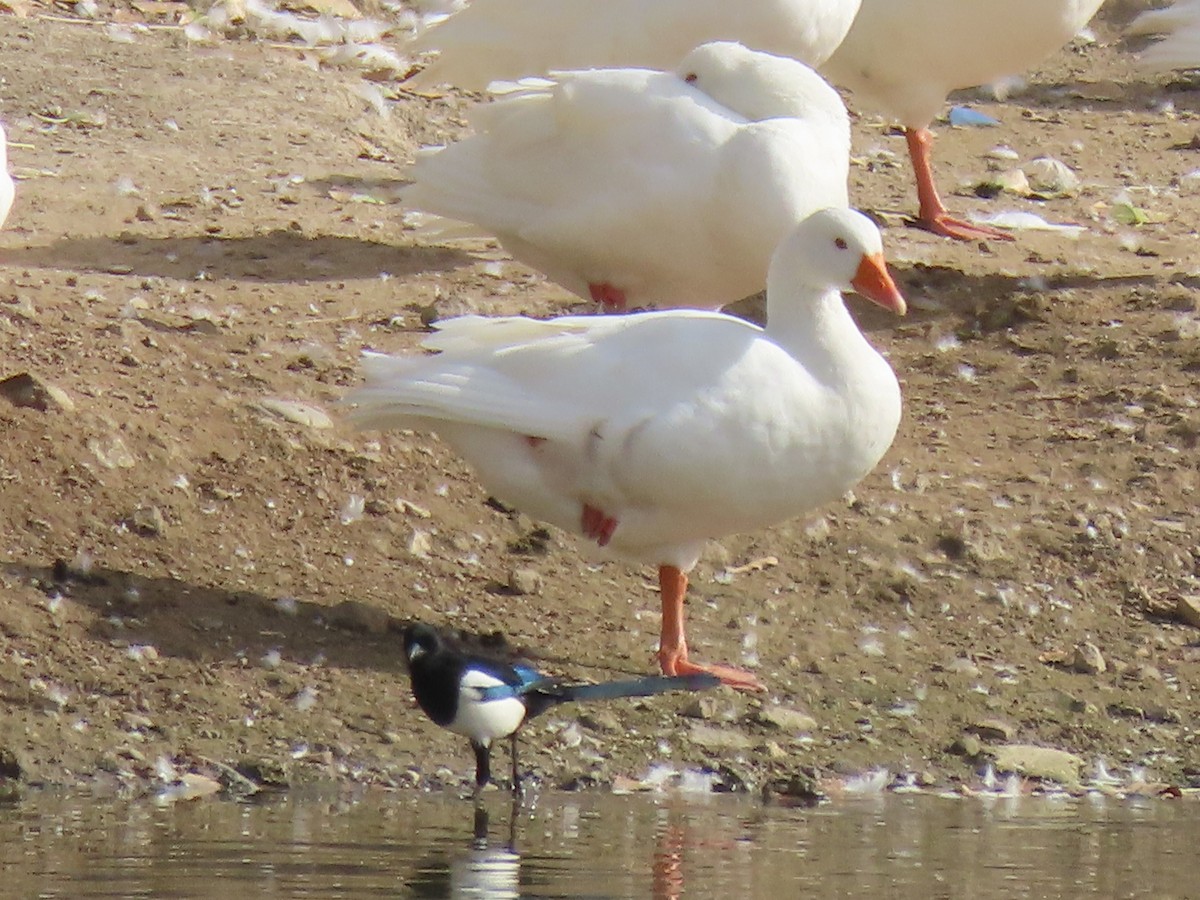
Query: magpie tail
{"points": [[634, 687]]}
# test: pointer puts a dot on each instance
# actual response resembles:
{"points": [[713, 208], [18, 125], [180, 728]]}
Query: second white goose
{"points": [[639, 188]]}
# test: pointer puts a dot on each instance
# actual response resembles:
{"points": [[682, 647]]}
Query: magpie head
{"points": [[419, 641]]}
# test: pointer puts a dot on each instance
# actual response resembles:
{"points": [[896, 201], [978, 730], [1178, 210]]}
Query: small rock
{"points": [[412, 509], [968, 745], [31, 392], [1089, 660], [798, 788], [354, 615], [376, 507], [190, 786], [790, 720], [525, 582], [148, 521], [10, 765], [700, 708], [264, 771], [719, 738], [132, 721], [1011, 181], [1050, 177], [1187, 610], [1038, 762], [995, 730], [420, 544], [774, 752], [601, 721], [295, 412]]}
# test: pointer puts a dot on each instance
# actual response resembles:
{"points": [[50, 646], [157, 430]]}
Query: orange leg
{"points": [[672, 647], [609, 297], [933, 215]]}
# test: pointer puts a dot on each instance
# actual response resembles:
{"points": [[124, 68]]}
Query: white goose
{"points": [[491, 40], [1179, 24], [642, 188], [7, 188], [905, 56], [655, 432]]}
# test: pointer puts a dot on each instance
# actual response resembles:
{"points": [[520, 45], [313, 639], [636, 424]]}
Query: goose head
{"points": [[758, 85], [834, 249]]}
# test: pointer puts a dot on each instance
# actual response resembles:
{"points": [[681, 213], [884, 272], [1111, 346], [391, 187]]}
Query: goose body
{"points": [[643, 188], [655, 432], [491, 40], [1179, 26], [903, 57], [7, 188]]}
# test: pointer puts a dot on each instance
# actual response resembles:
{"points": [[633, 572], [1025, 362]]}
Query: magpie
{"points": [[484, 699]]}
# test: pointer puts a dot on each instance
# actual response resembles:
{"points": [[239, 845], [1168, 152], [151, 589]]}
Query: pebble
{"points": [[1187, 610], [1038, 762], [264, 771], [790, 720], [700, 708], [525, 582], [420, 544], [31, 392], [189, 787], [601, 721], [798, 787], [412, 509], [968, 745], [1010, 181], [148, 521], [774, 752], [995, 730], [1008, 154], [1051, 177], [1088, 660], [712, 738], [296, 412], [10, 765], [136, 722]]}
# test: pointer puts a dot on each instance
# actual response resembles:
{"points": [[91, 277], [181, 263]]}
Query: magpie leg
{"points": [[482, 822], [483, 766], [516, 775], [513, 816]]}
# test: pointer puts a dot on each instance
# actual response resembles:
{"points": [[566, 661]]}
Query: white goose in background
{"points": [[494, 40], [1179, 24], [7, 188], [640, 188], [905, 56], [652, 433]]}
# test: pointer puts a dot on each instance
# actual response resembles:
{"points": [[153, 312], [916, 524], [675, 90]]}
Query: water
{"points": [[368, 843]]}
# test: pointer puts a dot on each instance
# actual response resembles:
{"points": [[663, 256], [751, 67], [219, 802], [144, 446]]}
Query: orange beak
{"points": [[873, 282]]}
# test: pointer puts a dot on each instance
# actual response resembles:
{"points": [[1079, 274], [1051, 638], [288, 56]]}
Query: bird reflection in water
{"points": [[667, 867], [489, 870], [486, 869]]}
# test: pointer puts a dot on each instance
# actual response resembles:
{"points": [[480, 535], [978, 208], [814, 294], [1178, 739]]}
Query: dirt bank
{"points": [[198, 235]]}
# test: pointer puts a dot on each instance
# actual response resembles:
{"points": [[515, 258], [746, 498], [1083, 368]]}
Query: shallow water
{"points": [[365, 844]]}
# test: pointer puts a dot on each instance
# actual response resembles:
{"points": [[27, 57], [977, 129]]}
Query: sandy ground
{"points": [[203, 232]]}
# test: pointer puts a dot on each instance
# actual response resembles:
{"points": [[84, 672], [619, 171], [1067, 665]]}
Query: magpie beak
{"points": [[484, 699]]}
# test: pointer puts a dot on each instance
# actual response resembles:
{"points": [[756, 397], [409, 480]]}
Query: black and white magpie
{"points": [[484, 699]]}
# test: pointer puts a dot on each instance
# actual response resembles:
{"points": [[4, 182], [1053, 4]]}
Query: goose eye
{"points": [[840, 243], [690, 77]]}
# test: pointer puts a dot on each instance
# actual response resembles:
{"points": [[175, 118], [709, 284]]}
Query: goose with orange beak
{"points": [[650, 434]]}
